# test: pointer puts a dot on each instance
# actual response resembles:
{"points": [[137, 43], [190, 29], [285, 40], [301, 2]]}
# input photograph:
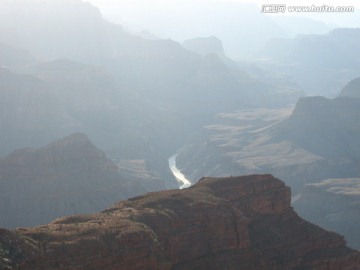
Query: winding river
{"points": [[183, 182]]}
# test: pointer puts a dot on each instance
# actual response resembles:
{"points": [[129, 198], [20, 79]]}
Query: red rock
{"points": [[220, 223]]}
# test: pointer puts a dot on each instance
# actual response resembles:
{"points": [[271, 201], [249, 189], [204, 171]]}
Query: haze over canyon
{"points": [[178, 135]]}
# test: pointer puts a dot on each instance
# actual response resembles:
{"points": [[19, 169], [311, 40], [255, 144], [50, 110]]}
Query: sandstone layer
{"points": [[219, 223]]}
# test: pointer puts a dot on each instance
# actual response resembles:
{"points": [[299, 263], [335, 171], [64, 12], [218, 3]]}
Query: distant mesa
{"points": [[145, 34], [319, 140], [205, 46], [220, 223], [65, 177]]}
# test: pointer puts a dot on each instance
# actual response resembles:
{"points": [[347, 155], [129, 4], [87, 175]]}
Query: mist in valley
{"points": [[101, 101]]}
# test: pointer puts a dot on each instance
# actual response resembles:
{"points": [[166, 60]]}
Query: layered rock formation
{"points": [[127, 93], [65, 177], [220, 223], [319, 140], [333, 204], [62, 97]]}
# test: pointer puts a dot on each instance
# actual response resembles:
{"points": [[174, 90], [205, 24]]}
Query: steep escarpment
{"points": [[127, 93], [220, 223], [327, 127], [334, 205], [68, 176], [318, 140]]}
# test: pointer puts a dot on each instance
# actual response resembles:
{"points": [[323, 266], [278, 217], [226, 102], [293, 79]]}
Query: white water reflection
{"points": [[184, 183]]}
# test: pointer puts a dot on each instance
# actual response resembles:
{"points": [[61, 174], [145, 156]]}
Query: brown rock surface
{"points": [[220, 223]]}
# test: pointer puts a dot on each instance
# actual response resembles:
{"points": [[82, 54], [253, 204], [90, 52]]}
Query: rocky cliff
{"points": [[318, 140], [127, 93], [68, 176], [326, 127], [219, 223], [334, 205]]}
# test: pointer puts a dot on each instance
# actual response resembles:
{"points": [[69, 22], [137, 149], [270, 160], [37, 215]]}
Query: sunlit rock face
{"points": [[219, 223]]}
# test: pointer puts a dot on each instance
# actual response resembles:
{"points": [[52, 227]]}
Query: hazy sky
{"points": [[184, 19], [132, 3], [128, 9]]}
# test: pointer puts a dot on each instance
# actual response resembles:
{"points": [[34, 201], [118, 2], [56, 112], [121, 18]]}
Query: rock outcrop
{"points": [[219, 223], [66, 177], [333, 204]]}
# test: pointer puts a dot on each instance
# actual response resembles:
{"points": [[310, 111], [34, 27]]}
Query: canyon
{"points": [[219, 223]]}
